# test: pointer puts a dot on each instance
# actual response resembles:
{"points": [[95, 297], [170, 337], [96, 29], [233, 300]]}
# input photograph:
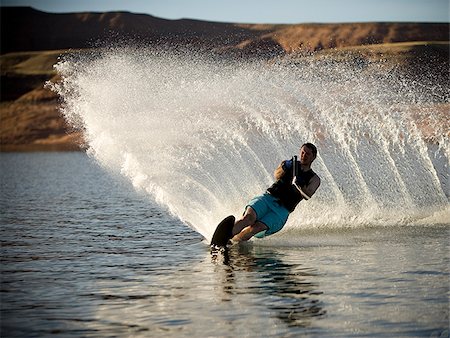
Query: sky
{"points": [[259, 11]]}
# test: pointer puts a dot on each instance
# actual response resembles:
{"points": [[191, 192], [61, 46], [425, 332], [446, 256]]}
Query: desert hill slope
{"points": [[32, 41], [26, 29]]}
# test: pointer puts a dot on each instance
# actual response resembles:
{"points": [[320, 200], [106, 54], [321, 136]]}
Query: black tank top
{"points": [[287, 194]]}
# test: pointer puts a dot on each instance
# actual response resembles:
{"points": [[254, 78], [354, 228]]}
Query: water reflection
{"points": [[290, 290]]}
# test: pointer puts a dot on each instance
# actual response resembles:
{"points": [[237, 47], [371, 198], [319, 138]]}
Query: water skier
{"points": [[267, 214]]}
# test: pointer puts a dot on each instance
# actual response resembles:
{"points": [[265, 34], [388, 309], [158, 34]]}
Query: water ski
{"points": [[223, 233]]}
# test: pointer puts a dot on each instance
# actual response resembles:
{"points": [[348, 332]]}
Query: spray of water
{"points": [[201, 136]]}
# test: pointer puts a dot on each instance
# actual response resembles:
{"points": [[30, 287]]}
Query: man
{"points": [[266, 214]]}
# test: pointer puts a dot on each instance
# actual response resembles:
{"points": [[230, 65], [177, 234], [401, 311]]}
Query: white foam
{"points": [[202, 136]]}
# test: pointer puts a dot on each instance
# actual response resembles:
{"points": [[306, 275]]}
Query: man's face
{"points": [[306, 156]]}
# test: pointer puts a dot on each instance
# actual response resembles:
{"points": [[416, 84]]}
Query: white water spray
{"points": [[203, 136]]}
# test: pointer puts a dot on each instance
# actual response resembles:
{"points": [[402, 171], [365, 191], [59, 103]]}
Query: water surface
{"points": [[83, 254]]}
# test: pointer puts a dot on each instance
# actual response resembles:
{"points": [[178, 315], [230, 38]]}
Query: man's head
{"points": [[308, 153]]}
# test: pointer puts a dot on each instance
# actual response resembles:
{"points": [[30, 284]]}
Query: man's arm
{"points": [[310, 189], [279, 171]]}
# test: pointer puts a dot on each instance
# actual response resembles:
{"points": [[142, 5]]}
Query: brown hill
{"points": [[33, 40], [26, 29]]}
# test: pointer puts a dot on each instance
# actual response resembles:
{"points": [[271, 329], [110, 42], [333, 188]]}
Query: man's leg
{"points": [[249, 231], [249, 218]]}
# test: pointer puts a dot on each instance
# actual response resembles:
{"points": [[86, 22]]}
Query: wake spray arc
{"points": [[203, 136]]}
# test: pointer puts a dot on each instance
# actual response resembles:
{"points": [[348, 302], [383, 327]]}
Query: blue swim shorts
{"points": [[269, 212]]}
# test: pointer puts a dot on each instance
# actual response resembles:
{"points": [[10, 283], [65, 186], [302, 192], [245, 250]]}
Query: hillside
{"points": [[32, 41], [26, 29]]}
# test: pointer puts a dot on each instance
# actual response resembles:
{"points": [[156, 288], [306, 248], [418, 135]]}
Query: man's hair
{"points": [[311, 147]]}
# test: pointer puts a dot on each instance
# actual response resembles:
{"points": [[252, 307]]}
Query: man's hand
{"points": [[287, 165]]}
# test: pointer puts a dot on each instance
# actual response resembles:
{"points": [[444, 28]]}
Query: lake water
{"points": [[83, 254]]}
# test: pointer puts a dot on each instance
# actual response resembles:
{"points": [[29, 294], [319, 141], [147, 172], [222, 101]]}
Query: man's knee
{"points": [[249, 216], [248, 219], [250, 231]]}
